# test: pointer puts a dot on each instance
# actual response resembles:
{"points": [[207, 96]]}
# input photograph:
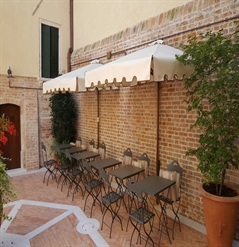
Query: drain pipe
{"points": [[70, 50]]}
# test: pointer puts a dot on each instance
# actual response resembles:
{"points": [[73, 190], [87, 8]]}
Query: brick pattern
{"points": [[64, 233], [24, 92], [128, 116]]}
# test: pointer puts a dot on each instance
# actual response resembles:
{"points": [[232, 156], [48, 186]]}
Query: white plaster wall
{"points": [[98, 19], [20, 34]]}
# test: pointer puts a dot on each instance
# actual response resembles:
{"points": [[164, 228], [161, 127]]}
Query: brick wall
{"points": [[128, 116], [26, 93]]}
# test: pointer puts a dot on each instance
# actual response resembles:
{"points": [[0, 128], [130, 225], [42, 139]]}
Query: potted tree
{"points": [[213, 93]]}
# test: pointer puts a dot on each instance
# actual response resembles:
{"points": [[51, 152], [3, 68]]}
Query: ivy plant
{"points": [[64, 117], [213, 92]]}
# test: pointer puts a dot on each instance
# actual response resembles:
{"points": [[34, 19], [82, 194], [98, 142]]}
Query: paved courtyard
{"points": [[43, 216]]}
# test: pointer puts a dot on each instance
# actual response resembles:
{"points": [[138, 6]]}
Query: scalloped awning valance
{"points": [[152, 63], [73, 81]]}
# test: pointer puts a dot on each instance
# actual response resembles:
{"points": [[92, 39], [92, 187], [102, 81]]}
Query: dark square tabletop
{"points": [[104, 163], [84, 155], [154, 185], [126, 171], [74, 150], [63, 146]]}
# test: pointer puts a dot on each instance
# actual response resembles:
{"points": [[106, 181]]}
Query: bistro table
{"points": [[125, 172], [84, 155], [63, 146], [153, 186], [122, 173], [104, 163], [74, 150]]}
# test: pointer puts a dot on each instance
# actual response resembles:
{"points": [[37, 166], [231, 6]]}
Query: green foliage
{"points": [[6, 190], [64, 116], [213, 92]]}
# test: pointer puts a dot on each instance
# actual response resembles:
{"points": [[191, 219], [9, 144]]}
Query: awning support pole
{"points": [[157, 144], [98, 117]]}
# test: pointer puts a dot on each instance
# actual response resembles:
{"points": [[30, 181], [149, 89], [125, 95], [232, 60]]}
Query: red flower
{"points": [[11, 129], [5, 125], [3, 138]]}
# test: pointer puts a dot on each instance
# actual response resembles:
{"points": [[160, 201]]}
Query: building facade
{"points": [[128, 116], [122, 118]]}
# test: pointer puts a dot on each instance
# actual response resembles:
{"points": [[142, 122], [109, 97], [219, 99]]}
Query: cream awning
{"points": [[73, 81], [152, 63]]}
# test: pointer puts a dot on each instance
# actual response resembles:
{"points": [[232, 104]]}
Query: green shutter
{"points": [[54, 52], [45, 50]]}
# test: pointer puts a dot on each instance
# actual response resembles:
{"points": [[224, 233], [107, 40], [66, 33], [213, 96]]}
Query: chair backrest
{"points": [[78, 142], [127, 157], [133, 188], [104, 176], [86, 165], [144, 162], [91, 145], [174, 172], [102, 150], [57, 149], [68, 155], [174, 166], [87, 174], [44, 153]]}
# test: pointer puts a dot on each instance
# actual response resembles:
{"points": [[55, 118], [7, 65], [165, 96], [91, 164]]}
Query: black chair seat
{"points": [[49, 163], [75, 172], [93, 184], [166, 200], [111, 197], [64, 166], [142, 215]]}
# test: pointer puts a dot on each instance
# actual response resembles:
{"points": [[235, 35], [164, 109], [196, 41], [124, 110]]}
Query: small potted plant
{"points": [[6, 188], [213, 94]]}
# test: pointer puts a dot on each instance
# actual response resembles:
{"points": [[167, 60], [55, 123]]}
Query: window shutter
{"points": [[54, 52], [46, 54]]}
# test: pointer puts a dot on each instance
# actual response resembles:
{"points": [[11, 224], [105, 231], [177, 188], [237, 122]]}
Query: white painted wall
{"points": [[98, 19], [20, 34], [93, 20]]}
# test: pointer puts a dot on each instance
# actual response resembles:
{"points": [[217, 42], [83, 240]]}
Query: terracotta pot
{"points": [[56, 158], [220, 218]]}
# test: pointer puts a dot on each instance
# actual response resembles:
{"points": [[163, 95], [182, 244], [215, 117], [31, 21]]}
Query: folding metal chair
{"points": [[63, 169], [92, 185], [50, 165], [172, 196], [111, 201], [78, 142], [127, 157], [142, 162], [74, 176], [139, 214], [102, 150], [91, 145]]}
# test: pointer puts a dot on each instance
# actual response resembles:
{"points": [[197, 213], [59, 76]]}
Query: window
{"points": [[49, 51]]}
